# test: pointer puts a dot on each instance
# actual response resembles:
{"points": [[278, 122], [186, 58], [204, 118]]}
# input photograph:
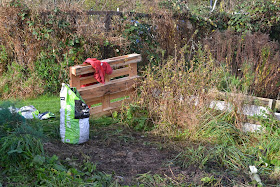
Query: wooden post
{"points": [[106, 102], [108, 21], [107, 29], [106, 99], [132, 69], [107, 78], [74, 80], [132, 73]]}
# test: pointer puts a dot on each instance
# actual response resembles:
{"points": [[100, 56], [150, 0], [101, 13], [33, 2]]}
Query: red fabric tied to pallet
{"points": [[101, 68]]}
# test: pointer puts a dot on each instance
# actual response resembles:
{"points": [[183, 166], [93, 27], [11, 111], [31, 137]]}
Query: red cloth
{"points": [[100, 69]]}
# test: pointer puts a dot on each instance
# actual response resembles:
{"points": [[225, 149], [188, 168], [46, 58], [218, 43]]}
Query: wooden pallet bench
{"points": [[118, 86]]}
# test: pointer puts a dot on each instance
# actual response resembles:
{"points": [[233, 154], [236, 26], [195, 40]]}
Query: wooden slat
{"points": [[247, 99], [119, 57], [123, 60], [126, 62], [82, 69], [114, 62], [112, 96], [88, 80], [113, 86], [261, 101], [115, 106], [93, 101], [115, 73], [119, 72]]}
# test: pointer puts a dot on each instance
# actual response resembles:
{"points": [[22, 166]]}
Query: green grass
{"points": [[51, 103], [43, 103]]}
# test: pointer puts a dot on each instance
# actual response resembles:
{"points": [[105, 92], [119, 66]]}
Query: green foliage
{"points": [[178, 6], [51, 72], [252, 16], [51, 61], [223, 146], [3, 55], [142, 39], [50, 172], [231, 83], [22, 157], [103, 4], [16, 3], [14, 81], [244, 16], [104, 121], [268, 155], [208, 180], [19, 141], [8, 121], [51, 45], [262, 14], [19, 147], [136, 117]]}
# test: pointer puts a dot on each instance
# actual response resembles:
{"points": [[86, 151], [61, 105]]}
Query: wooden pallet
{"points": [[120, 84], [251, 100]]}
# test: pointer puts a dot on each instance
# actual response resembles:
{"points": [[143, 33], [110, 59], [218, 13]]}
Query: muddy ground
{"points": [[126, 154]]}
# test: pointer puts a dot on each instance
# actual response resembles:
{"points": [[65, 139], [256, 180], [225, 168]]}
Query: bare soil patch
{"points": [[124, 153]]}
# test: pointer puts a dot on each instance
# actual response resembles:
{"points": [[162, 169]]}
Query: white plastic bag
{"points": [[28, 112]]}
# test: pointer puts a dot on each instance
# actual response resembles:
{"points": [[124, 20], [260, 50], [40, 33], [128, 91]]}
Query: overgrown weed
{"points": [[58, 35], [176, 96], [176, 89]]}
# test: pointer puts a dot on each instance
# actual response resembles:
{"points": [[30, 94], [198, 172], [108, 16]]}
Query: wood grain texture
{"points": [[97, 100], [74, 80], [114, 86], [98, 111], [122, 86], [114, 63], [133, 69]]}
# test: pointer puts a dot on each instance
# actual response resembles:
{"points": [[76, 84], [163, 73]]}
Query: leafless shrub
{"points": [[177, 94], [253, 49]]}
